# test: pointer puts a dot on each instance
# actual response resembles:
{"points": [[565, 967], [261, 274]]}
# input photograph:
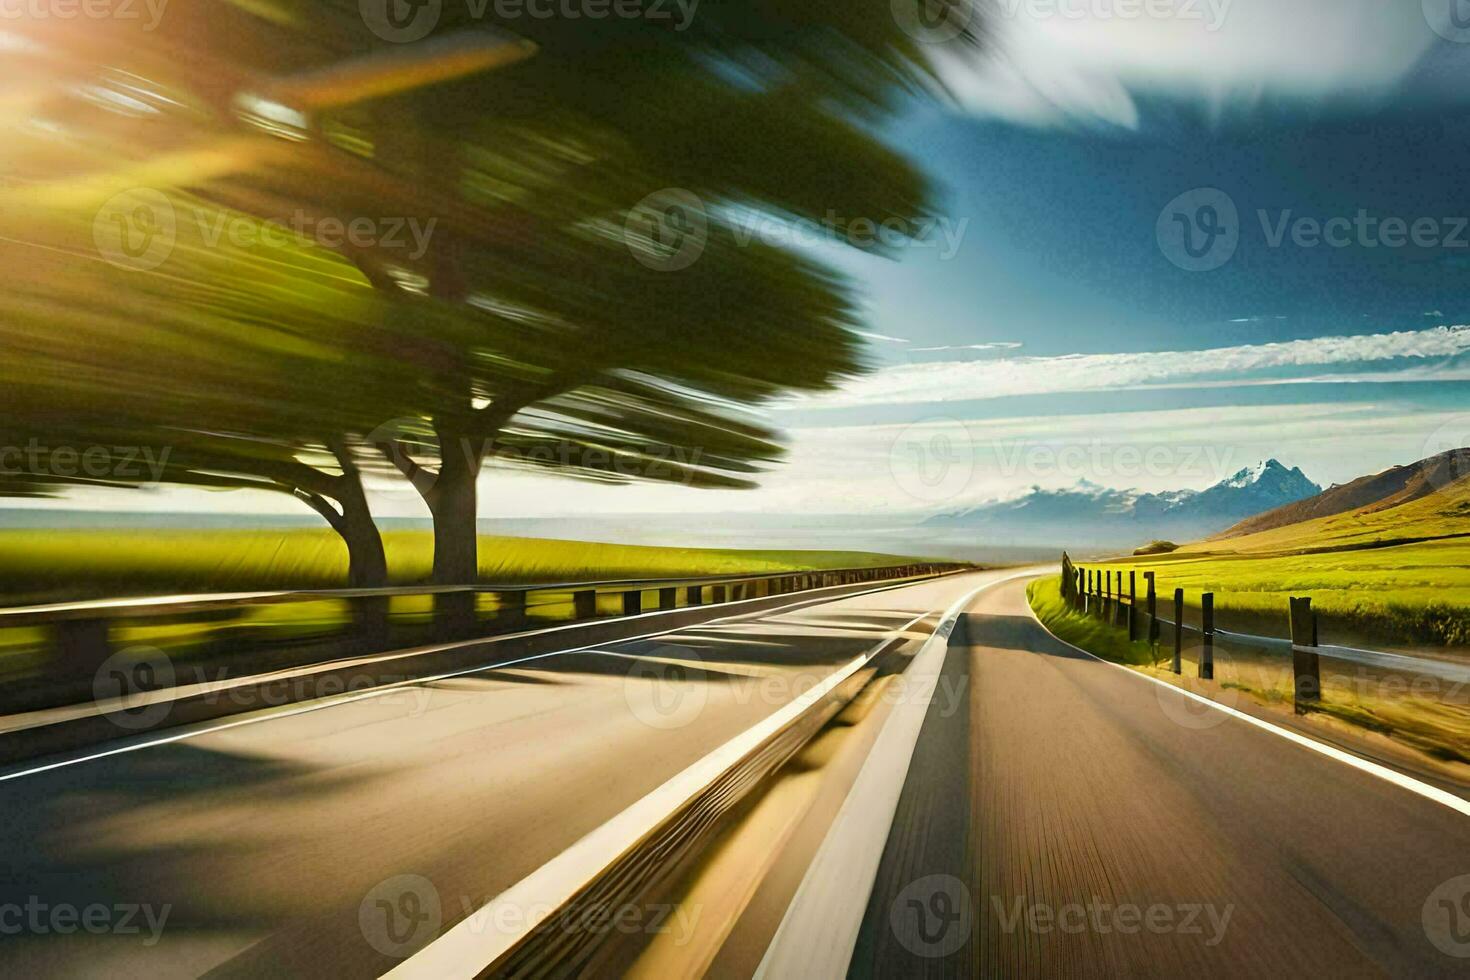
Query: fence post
{"points": [[1132, 605], [1207, 636], [1153, 615], [1178, 631], [1305, 664], [1087, 591]]}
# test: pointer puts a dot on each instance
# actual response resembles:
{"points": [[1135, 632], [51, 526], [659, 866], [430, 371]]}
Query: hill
{"points": [[1369, 494], [1394, 575]]}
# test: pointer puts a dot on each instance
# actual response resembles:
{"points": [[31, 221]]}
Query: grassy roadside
{"points": [[1398, 577], [64, 564], [1424, 714], [1092, 635], [1406, 596]]}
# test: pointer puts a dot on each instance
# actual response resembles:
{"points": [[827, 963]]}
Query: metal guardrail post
{"points": [[369, 622], [1207, 636], [668, 599], [584, 604], [1305, 664], [513, 608], [1178, 631], [81, 646], [455, 616]]}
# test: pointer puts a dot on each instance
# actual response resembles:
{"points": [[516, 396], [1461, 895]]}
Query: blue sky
{"points": [[1084, 341]]}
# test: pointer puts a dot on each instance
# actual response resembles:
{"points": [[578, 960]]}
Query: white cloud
{"points": [[1060, 60], [880, 336], [951, 381], [999, 345]]}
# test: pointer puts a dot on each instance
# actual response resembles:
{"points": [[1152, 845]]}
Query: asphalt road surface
{"points": [[1074, 819], [258, 849], [1059, 817]]}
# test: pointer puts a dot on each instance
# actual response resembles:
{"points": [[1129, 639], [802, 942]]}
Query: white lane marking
{"points": [[1399, 779], [493, 930], [386, 689], [820, 929]]}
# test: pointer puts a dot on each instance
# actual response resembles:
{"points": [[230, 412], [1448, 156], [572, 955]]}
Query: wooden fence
{"points": [[1102, 594]]}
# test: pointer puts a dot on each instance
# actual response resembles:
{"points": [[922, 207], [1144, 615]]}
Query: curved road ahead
{"points": [[1075, 819]]}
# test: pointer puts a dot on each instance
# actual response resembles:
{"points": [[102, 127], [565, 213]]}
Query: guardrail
{"points": [[77, 638], [1102, 593]]}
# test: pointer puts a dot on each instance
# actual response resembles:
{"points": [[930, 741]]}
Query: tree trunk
{"points": [[367, 565], [456, 546]]}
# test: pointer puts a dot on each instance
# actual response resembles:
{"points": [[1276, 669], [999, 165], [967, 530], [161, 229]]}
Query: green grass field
{"points": [[62, 564], [1429, 717], [1399, 577]]}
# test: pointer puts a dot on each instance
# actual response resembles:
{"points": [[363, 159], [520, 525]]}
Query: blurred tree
{"points": [[585, 187]]}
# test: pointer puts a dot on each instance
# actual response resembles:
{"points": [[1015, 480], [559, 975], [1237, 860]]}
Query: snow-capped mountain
{"points": [[1089, 515]]}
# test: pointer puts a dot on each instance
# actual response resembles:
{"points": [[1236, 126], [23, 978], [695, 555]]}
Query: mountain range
{"points": [[1366, 495], [1089, 515]]}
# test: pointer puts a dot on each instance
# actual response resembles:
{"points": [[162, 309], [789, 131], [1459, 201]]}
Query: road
{"points": [[250, 850], [1078, 820], [1052, 815]]}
